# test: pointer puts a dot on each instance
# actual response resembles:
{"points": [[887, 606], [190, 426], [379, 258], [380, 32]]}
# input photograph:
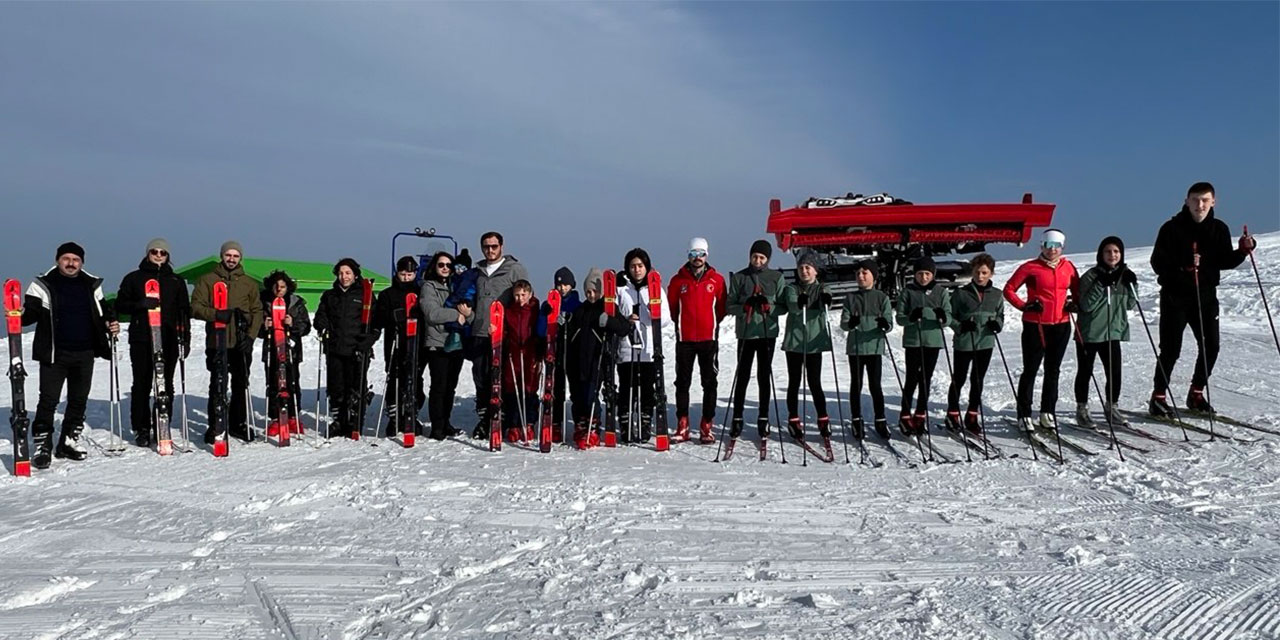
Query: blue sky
{"points": [[315, 131]]}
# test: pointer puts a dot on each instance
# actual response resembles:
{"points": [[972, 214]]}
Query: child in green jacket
{"points": [[867, 316], [977, 315], [805, 304], [1106, 297], [923, 309]]}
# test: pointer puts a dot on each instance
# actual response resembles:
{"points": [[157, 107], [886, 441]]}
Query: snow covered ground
{"points": [[353, 540]]}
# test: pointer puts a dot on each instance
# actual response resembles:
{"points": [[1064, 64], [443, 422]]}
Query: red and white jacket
{"points": [[1047, 284], [697, 304]]}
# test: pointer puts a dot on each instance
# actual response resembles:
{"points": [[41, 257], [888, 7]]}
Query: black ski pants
{"points": [[140, 361], [873, 367], [980, 360], [480, 353], [761, 351], [801, 365], [237, 408], [75, 370], [1041, 343], [1109, 353], [921, 361], [399, 387], [346, 398], [707, 354], [1175, 315], [444, 369]]}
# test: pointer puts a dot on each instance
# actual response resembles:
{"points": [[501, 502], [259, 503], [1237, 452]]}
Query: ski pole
{"points": [[804, 383], [1031, 443], [951, 373], [1159, 365], [973, 345], [320, 418], [777, 416], [855, 390], [901, 391], [724, 430], [118, 434], [1075, 328], [928, 433], [1204, 337], [1262, 293], [835, 376], [182, 379]]}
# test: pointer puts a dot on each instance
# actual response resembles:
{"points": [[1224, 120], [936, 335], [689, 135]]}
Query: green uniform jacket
{"points": [[927, 332], [807, 326], [979, 304], [242, 297], [1093, 309], [865, 337], [752, 324]]}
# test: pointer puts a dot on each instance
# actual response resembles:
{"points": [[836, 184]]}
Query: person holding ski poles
{"points": [[348, 346], [697, 297], [72, 328], [494, 278], [243, 318], [389, 318], [867, 316], [297, 323], [977, 315], [923, 309], [805, 303], [522, 354], [636, 374], [1191, 251], [564, 284], [175, 331], [1053, 287], [1108, 291], [589, 330], [753, 292], [442, 343]]}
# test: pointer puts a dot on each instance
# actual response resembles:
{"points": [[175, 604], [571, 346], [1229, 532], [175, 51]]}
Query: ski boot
{"points": [[646, 428], [1028, 425], [682, 429], [882, 428], [514, 434], [953, 421], [1113, 413], [920, 422], [42, 450], [859, 429], [971, 423], [71, 447], [529, 434], [824, 430], [624, 429], [1048, 422], [704, 432], [905, 425], [1196, 400], [1082, 415], [1158, 406], [795, 428], [735, 428]]}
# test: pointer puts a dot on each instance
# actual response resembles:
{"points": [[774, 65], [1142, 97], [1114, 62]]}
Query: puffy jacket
{"points": [[587, 339], [338, 321], [697, 304], [861, 309], [750, 324], [928, 331], [807, 325], [522, 349], [439, 318], [175, 304], [494, 286], [40, 306], [1171, 257], [568, 304], [981, 305], [1049, 285], [296, 308], [389, 319], [634, 298], [242, 299], [462, 290]]}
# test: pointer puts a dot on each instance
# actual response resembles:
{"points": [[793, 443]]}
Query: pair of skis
{"points": [[653, 287], [18, 418], [497, 316]]}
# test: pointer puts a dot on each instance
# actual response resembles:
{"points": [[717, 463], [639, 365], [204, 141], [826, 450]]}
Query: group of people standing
{"points": [[453, 298]]}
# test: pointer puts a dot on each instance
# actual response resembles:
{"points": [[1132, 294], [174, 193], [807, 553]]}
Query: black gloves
{"points": [[855, 321], [968, 326], [1071, 307], [939, 314], [1034, 306], [803, 300], [1128, 278], [757, 302], [916, 314], [826, 298], [222, 315], [993, 326], [149, 303], [883, 324], [397, 315]]}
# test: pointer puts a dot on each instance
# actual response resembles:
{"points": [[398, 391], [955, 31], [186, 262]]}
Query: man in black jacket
{"points": [[175, 332], [389, 317], [72, 327], [1191, 251]]}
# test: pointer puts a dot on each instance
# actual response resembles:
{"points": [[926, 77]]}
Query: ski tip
{"points": [[662, 443], [610, 439], [355, 435], [164, 447], [220, 449], [408, 440], [22, 469]]}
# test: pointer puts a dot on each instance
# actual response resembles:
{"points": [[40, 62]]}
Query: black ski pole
{"points": [[1204, 337], [986, 443], [835, 376], [724, 430], [901, 392], [951, 373], [1262, 293], [928, 433], [1075, 328], [777, 416], [1159, 365], [1014, 390]]}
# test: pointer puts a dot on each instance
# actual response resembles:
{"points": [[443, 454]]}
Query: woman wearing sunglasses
{"points": [[442, 341], [1053, 287]]}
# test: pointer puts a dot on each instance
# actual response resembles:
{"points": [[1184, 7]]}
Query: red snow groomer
{"points": [[894, 232]]}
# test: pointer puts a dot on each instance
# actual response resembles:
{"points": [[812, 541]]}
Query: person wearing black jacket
{"points": [[348, 346], [297, 323], [72, 328], [1190, 253], [389, 317], [588, 330], [175, 333]]}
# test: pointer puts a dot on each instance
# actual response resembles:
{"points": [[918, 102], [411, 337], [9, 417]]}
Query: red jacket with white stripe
{"points": [[1047, 284], [697, 304]]}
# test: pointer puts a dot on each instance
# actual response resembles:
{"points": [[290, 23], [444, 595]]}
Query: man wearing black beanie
{"points": [[72, 327]]}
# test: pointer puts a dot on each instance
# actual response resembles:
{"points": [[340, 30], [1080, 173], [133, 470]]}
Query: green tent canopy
{"points": [[313, 278]]}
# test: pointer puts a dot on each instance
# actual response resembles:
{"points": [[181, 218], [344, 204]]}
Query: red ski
{"points": [[160, 407], [366, 308], [609, 388], [219, 418], [18, 419], [549, 377], [408, 413], [662, 441], [283, 425], [497, 315]]}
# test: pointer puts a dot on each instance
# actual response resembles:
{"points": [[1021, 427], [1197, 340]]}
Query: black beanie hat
{"points": [[565, 276], [348, 262], [925, 264], [1111, 240], [463, 258], [870, 265], [762, 247], [70, 247], [407, 263]]}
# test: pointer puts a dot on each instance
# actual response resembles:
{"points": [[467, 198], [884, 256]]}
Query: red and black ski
{"points": [[219, 422], [160, 406], [497, 315], [283, 425], [662, 440], [609, 387], [408, 411], [18, 419], [366, 308], [549, 377]]}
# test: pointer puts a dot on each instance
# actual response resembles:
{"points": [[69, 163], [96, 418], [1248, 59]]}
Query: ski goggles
{"points": [[1051, 244], [697, 253]]}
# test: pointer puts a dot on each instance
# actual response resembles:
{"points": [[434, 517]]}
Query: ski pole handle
{"points": [[1195, 256]]}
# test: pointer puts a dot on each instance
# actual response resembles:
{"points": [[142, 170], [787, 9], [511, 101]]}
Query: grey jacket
{"points": [[494, 287], [431, 300]]}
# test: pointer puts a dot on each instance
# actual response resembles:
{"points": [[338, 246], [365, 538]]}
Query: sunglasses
{"points": [[697, 253], [159, 252], [1052, 245], [488, 247], [444, 265]]}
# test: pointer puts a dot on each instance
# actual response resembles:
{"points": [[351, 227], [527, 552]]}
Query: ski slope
{"points": [[447, 540]]}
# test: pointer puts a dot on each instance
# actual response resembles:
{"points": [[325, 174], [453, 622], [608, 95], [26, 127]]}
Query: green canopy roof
{"points": [[313, 278]]}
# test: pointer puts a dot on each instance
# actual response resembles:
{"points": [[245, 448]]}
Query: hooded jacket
{"points": [[1096, 323], [981, 305], [389, 316], [1172, 255], [175, 304], [40, 307], [522, 349]]}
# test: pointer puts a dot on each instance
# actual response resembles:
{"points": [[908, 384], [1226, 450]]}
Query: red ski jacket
{"points": [[521, 347], [697, 304], [1048, 285]]}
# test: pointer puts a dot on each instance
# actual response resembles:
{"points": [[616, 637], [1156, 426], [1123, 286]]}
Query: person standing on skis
{"points": [[1192, 249], [1108, 291], [923, 309], [697, 298], [977, 315], [868, 317], [753, 292], [808, 336]]}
